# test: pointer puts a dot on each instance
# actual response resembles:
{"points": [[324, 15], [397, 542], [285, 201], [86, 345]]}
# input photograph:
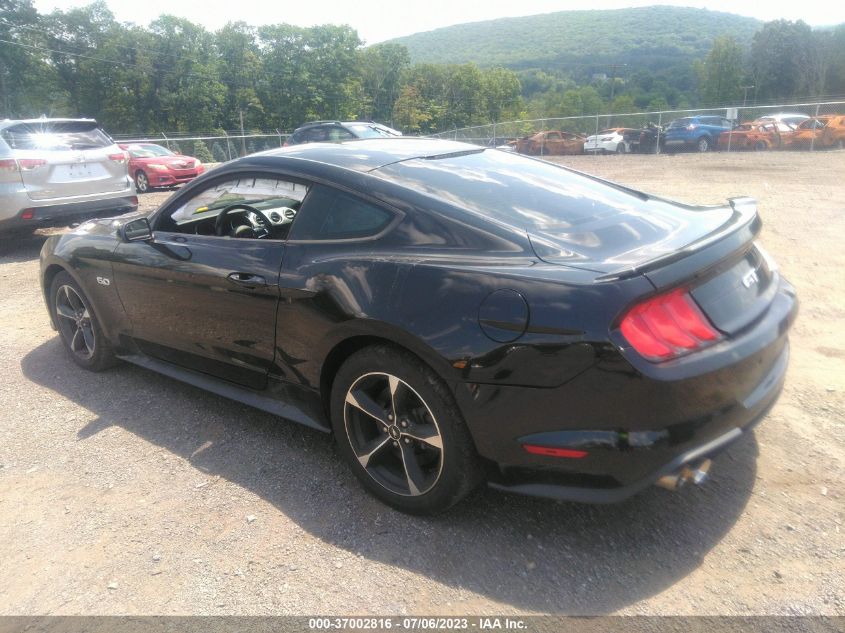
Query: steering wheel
{"points": [[219, 223]]}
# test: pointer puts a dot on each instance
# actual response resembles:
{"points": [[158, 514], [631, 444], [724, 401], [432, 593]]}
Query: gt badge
{"points": [[750, 279]]}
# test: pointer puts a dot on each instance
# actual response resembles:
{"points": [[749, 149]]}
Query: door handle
{"points": [[247, 280]]}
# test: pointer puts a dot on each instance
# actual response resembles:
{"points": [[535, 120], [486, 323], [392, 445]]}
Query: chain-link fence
{"points": [[807, 128], [211, 147]]}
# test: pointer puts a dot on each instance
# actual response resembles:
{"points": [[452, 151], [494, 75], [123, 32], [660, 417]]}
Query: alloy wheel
{"points": [[393, 434], [74, 320], [142, 183]]}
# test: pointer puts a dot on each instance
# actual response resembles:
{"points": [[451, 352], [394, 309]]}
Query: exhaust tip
{"points": [[695, 474]]}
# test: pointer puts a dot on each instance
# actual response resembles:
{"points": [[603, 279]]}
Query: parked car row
{"points": [[701, 133], [820, 132]]}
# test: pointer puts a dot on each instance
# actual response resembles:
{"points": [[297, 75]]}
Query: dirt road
{"points": [[127, 493]]}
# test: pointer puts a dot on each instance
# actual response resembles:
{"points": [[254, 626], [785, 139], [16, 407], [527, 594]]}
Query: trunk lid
{"points": [[709, 250]]}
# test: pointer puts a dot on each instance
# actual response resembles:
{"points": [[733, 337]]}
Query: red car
{"points": [[152, 165]]}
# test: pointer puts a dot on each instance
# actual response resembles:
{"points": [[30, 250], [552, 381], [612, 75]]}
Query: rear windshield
{"points": [[370, 130], [680, 122], [540, 197], [148, 150], [56, 136]]}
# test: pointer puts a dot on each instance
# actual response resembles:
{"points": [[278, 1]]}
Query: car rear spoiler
{"points": [[742, 227]]}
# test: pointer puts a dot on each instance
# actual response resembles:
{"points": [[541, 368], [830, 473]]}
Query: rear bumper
{"points": [[632, 423], [66, 213], [607, 146], [547, 488]]}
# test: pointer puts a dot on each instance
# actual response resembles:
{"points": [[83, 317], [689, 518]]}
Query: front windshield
{"points": [[372, 130], [148, 150]]}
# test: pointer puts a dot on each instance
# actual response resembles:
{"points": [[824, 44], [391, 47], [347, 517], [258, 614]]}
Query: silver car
{"points": [[57, 171]]}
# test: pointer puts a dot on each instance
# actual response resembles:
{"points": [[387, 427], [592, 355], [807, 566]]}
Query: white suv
{"points": [[56, 171]]}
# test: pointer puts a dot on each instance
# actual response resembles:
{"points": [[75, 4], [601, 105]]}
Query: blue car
{"points": [[697, 132]]}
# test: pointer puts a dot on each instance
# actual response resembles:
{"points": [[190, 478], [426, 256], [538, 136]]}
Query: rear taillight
{"points": [[8, 165], [668, 326], [28, 164], [119, 158]]}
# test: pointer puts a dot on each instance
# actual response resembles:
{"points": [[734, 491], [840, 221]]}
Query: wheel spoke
{"points": [[413, 473], [393, 383], [65, 311], [73, 299], [425, 433], [362, 401], [372, 449], [88, 337], [77, 337]]}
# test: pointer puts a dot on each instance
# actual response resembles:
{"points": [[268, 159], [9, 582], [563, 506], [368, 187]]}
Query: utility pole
{"points": [[745, 90], [243, 141]]}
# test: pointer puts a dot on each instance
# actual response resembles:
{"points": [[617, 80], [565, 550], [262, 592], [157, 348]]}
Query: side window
{"points": [[329, 214], [339, 134], [315, 135], [262, 207]]}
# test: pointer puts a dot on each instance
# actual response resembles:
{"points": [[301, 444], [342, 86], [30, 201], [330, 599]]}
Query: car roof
{"points": [[368, 154]]}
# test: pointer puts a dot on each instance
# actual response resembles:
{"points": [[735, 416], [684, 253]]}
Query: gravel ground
{"points": [[127, 493]]}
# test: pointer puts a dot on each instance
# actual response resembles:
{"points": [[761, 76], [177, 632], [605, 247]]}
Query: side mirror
{"points": [[136, 231]]}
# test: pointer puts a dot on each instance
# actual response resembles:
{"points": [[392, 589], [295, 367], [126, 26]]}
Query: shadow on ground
{"points": [[532, 554], [20, 247]]}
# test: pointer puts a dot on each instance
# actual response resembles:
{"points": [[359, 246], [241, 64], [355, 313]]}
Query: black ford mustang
{"points": [[452, 314]]}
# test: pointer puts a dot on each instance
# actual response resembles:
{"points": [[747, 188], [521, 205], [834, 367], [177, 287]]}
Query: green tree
{"points": [[781, 60], [240, 69], [29, 84], [201, 152], [381, 69], [410, 113], [721, 73], [501, 92]]}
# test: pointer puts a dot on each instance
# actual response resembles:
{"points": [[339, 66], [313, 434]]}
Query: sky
{"points": [[376, 20]]}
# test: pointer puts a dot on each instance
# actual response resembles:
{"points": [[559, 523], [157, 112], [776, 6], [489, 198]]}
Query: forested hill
{"points": [[648, 37]]}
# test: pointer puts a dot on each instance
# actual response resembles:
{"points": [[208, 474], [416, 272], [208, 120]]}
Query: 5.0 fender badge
{"points": [[103, 281]]}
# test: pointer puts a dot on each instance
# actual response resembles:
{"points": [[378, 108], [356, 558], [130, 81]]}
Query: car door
{"points": [[203, 301]]}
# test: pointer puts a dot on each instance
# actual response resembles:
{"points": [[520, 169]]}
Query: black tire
{"points": [[703, 144], [142, 182], [78, 327], [761, 146], [410, 474], [840, 144], [622, 148]]}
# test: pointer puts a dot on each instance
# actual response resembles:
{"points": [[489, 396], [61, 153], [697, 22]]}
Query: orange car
{"points": [[823, 131], [759, 135], [550, 142]]}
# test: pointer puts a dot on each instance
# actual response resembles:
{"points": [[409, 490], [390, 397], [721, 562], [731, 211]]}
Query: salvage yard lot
{"points": [[127, 493]]}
